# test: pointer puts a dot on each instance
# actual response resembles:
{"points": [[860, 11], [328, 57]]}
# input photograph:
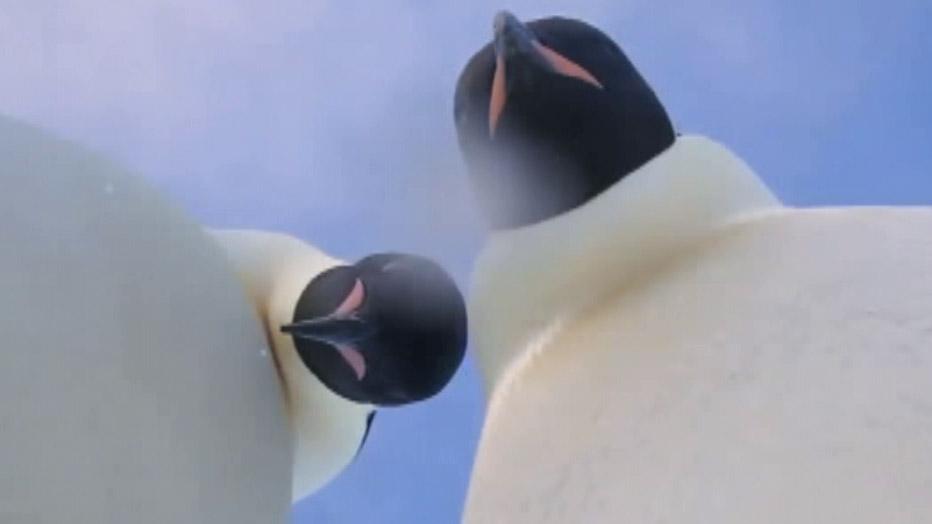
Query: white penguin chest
{"points": [[780, 374]]}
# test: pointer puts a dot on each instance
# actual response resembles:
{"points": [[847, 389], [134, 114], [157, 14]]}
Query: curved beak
{"points": [[336, 330], [514, 39]]}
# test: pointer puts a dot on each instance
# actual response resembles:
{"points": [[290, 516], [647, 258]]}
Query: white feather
{"points": [[684, 349]]}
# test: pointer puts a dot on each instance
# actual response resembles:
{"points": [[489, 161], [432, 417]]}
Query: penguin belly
{"points": [[778, 371]]}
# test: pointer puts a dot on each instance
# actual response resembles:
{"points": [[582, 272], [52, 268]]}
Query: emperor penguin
{"points": [[661, 339], [347, 338]]}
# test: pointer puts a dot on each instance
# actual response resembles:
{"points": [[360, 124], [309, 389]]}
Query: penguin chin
{"points": [[343, 380], [375, 390], [352, 392], [381, 398], [332, 369], [519, 182]]}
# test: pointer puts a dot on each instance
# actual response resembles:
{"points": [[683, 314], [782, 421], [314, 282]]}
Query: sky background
{"points": [[332, 120]]}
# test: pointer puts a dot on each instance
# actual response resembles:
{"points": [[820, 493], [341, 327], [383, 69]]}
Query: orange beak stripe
{"points": [[566, 66], [497, 102]]}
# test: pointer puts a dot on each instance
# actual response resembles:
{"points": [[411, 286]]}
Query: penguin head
{"points": [[550, 114], [388, 330]]}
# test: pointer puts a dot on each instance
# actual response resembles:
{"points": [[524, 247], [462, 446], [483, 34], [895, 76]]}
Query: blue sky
{"points": [[332, 120]]}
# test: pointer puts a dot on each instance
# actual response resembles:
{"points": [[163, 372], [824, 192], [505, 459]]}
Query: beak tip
{"points": [[511, 36], [502, 20]]}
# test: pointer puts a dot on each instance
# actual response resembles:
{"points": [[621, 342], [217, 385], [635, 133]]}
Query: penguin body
{"points": [[328, 429], [668, 342]]}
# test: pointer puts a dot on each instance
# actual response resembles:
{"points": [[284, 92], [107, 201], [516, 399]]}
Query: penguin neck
{"points": [[529, 281]]}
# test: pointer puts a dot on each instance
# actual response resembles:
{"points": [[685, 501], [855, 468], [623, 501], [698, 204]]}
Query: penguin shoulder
{"points": [[528, 280], [274, 267]]}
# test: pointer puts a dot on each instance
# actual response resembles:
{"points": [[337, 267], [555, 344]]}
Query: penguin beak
{"points": [[337, 330], [514, 51], [514, 39]]}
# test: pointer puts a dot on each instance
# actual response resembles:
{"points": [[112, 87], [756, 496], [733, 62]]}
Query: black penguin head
{"points": [[550, 114], [388, 330]]}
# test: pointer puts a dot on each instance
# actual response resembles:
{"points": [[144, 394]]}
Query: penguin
{"points": [[660, 338], [347, 338]]}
